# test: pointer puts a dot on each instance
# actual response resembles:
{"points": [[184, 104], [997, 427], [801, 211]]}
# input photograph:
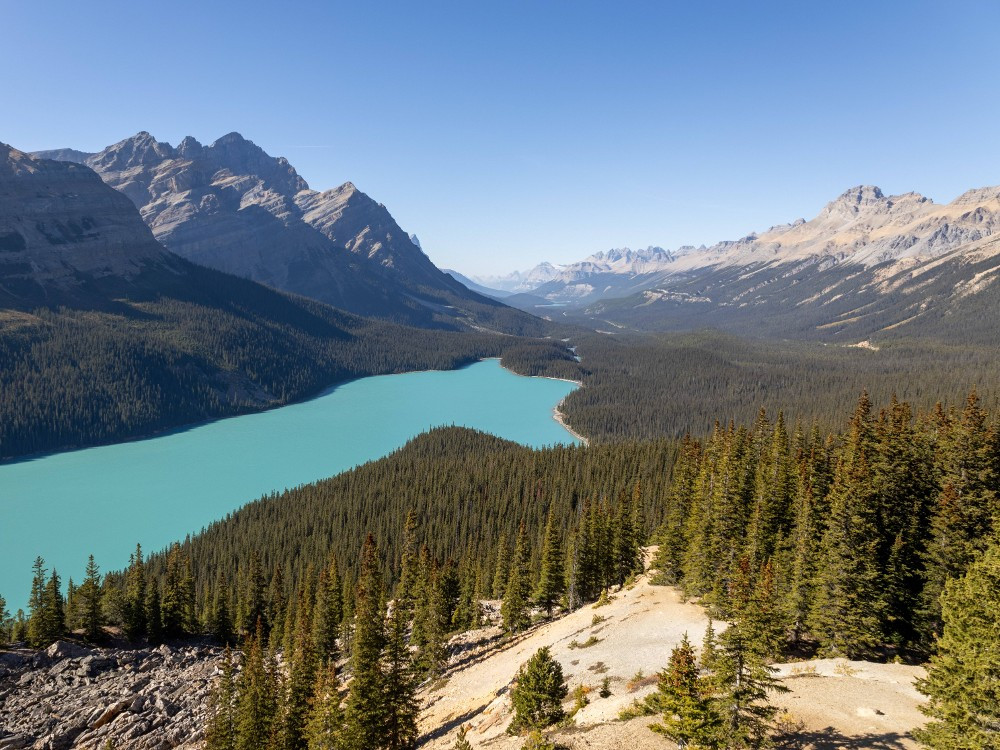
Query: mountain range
{"points": [[867, 264], [106, 335], [231, 206]]}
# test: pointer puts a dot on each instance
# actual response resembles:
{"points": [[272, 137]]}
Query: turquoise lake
{"points": [[103, 500]]}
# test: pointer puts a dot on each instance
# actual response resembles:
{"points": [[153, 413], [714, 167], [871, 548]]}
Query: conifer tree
{"points": [[54, 613], [253, 607], [277, 605], [848, 607], [501, 569], [327, 612], [135, 596], [538, 693], [89, 596], [5, 622], [177, 597], [673, 540], [409, 563], [301, 682], [400, 685], [961, 680], [220, 621], [256, 699], [461, 741], [963, 516], [552, 581], [365, 711], [37, 617], [153, 619], [689, 718], [220, 732], [514, 608], [325, 729], [741, 683]]}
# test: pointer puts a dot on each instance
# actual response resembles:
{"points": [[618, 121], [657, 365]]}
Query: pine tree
{"points": [[5, 622], [461, 741], [220, 619], [673, 540], [408, 564], [253, 606], [514, 608], [37, 635], [538, 693], [966, 507], [256, 697], [741, 683], [365, 712], [276, 608], [135, 625], [220, 732], [552, 581], [849, 604], [962, 677], [177, 598], [325, 729], [401, 706], [53, 621], [301, 683], [89, 602], [689, 719], [328, 612], [153, 619]]}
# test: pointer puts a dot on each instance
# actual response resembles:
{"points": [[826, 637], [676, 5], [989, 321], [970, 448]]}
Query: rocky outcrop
{"points": [[72, 696], [231, 206], [63, 231]]}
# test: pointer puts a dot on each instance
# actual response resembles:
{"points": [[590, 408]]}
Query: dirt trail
{"points": [[859, 705]]}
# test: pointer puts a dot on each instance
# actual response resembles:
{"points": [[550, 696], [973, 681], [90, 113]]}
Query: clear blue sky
{"points": [[508, 133]]}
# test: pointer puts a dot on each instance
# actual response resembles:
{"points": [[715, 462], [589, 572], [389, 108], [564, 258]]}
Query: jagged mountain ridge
{"points": [[231, 206], [867, 263], [65, 237]]}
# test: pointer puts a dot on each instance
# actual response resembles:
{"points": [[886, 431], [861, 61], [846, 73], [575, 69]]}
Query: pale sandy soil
{"points": [[860, 706]]}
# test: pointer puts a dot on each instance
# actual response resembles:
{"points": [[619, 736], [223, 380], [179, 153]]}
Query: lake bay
{"points": [[104, 500]]}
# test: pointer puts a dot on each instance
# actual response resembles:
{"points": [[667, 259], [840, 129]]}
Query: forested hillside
{"points": [[208, 345], [652, 386], [832, 544]]}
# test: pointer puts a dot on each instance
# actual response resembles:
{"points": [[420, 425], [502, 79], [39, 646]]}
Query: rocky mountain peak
{"points": [[141, 150], [190, 148], [855, 200], [241, 156]]}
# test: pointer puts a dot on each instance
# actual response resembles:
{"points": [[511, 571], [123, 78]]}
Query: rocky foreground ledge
{"points": [[70, 696]]}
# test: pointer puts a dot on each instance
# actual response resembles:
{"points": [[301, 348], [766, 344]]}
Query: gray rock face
{"points": [[231, 206], [74, 697], [61, 228]]}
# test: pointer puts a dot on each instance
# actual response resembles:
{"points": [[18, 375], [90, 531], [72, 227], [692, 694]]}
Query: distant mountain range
{"points": [[231, 206], [867, 264]]}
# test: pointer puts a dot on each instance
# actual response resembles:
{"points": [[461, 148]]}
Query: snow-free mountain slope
{"points": [[868, 263], [231, 206]]}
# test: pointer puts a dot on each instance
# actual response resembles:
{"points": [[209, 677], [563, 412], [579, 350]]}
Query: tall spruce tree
{"points": [[552, 580], [365, 711], [89, 602], [514, 608], [325, 729], [220, 731], [135, 624], [962, 677], [256, 697], [400, 686]]}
